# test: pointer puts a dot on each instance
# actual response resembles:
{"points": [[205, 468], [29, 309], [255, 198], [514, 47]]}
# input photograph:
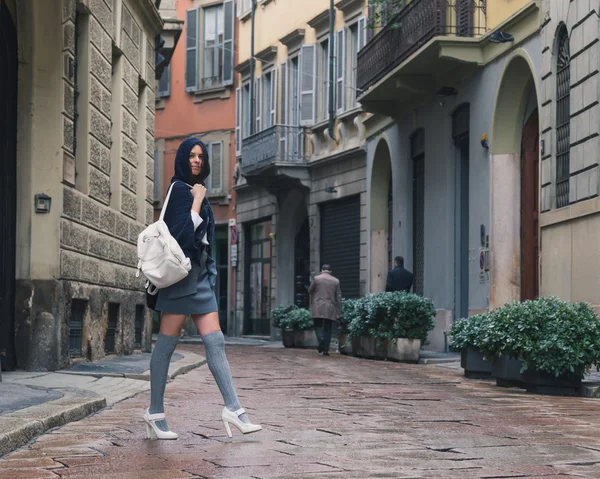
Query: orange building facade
{"points": [[196, 97]]}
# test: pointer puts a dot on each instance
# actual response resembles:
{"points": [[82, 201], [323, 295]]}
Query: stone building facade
{"points": [[570, 174], [85, 142]]}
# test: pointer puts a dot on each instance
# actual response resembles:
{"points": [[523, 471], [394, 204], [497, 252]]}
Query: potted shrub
{"points": [[465, 337], [391, 325], [348, 314], [555, 341], [278, 316], [296, 325]]}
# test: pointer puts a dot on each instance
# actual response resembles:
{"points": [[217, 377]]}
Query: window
{"points": [[214, 182], [214, 26], [357, 39], [563, 118], [164, 84], [209, 44], [243, 7]]}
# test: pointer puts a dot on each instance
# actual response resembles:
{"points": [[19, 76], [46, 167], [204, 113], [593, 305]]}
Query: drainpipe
{"points": [[331, 69], [252, 92]]}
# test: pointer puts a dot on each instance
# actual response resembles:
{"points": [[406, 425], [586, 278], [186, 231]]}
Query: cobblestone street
{"points": [[334, 417]]}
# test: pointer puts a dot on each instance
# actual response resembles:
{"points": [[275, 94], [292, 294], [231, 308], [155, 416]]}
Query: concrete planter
{"points": [[401, 349], [507, 372], [305, 339], [474, 364], [288, 338], [545, 383], [404, 350], [345, 344]]}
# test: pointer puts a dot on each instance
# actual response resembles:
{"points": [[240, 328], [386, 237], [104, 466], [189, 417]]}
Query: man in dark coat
{"points": [[399, 279], [325, 306]]}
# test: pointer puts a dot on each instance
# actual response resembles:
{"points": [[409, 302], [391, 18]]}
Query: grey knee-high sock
{"points": [[159, 370], [219, 367]]}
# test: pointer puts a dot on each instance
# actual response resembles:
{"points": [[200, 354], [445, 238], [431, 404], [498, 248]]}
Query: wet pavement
{"points": [[334, 417]]}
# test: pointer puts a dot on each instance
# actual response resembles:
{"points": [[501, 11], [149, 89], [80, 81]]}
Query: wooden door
{"points": [[530, 209]]}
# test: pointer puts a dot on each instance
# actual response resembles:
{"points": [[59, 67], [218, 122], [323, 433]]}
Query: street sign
{"points": [[234, 235], [234, 255]]}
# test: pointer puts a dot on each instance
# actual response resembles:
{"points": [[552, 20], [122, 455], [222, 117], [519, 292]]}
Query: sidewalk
{"points": [[31, 403]]}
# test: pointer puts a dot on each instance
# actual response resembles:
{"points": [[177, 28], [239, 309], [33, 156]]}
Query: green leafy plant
{"points": [[349, 312], [548, 335], [279, 314], [298, 319], [388, 316], [291, 318], [382, 11]]}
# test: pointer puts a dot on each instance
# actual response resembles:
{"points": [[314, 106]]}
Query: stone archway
{"points": [[514, 128], [379, 216], [292, 216]]}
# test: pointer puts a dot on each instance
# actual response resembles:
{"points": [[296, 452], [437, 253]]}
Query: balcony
{"points": [[276, 157], [419, 46]]}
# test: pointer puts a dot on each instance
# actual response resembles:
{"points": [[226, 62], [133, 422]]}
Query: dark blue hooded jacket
{"points": [[178, 215]]}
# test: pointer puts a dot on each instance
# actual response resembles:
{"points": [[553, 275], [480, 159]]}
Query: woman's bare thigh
{"points": [[171, 324], [207, 323]]}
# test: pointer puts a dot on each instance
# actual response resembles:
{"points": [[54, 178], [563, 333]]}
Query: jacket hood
{"points": [[183, 171]]}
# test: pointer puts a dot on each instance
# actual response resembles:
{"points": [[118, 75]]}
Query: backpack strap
{"points": [[164, 208]]}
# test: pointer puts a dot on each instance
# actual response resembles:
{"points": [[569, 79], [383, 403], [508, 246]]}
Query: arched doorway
{"points": [[514, 186], [293, 238], [380, 217], [8, 182]]}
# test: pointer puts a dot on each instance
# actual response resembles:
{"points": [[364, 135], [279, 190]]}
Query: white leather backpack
{"points": [[160, 258]]}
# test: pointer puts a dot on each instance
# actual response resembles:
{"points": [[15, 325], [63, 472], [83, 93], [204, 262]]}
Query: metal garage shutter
{"points": [[340, 242]]}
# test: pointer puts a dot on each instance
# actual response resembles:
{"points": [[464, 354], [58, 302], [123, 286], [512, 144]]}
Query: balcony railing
{"points": [[414, 26], [279, 144]]}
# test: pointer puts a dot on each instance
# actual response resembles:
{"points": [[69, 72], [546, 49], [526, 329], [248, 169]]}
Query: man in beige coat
{"points": [[325, 306]]}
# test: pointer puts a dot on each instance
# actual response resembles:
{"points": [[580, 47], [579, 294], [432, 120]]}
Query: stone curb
{"points": [[22, 428], [177, 369]]}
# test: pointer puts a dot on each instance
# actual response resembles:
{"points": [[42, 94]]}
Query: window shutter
{"points": [[215, 182], [307, 85], [340, 72], [258, 102], [228, 43], [362, 33], [238, 121], [191, 50], [156, 173], [273, 111], [164, 84], [284, 93]]}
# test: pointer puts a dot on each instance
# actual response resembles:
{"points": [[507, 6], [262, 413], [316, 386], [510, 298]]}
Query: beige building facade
{"points": [[301, 192], [570, 181], [79, 173]]}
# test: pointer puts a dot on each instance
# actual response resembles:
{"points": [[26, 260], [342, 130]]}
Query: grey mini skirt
{"points": [[192, 295]]}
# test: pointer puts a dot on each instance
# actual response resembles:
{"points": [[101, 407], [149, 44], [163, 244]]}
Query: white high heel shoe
{"points": [[231, 417], [150, 420]]}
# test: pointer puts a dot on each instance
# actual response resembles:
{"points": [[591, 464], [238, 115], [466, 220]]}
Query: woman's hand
{"points": [[199, 192]]}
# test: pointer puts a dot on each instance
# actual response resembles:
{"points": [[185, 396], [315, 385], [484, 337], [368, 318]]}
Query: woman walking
{"points": [[191, 222]]}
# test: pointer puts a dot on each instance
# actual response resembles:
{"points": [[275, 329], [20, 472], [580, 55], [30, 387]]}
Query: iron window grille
{"points": [[563, 119]]}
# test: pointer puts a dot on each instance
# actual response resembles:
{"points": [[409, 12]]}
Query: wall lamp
{"points": [[501, 37], [484, 142], [330, 189]]}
